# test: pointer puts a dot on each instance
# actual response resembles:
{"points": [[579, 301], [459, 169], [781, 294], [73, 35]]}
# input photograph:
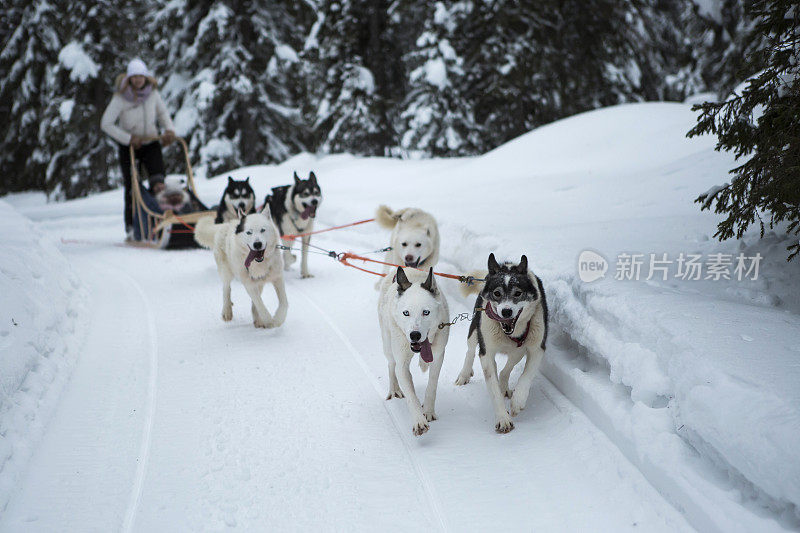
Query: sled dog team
{"points": [[509, 315]]}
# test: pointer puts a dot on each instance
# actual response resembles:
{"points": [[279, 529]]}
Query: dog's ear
{"points": [[247, 180], [523, 265], [429, 283], [313, 177], [402, 281], [296, 178], [230, 180], [240, 225], [265, 210], [494, 266]]}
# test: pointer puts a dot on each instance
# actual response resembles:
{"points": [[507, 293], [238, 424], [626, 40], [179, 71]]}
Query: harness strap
{"points": [[343, 257], [292, 236]]}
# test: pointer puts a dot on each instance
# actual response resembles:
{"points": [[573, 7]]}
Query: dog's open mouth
{"points": [[508, 324], [423, 349], [310, 211], [254, 255], [414, 263]]}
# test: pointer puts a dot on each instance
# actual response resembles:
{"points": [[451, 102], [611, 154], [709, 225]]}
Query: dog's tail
{"points": [[476, 286], [386, 217], [205, 231]]}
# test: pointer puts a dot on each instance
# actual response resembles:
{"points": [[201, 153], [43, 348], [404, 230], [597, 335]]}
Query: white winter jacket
{"points": [[123, 118]]}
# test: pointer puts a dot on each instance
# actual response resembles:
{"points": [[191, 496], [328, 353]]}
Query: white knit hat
{"points": [[136, 67]]}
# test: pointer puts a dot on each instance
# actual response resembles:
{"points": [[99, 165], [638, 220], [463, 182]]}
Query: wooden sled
{"points": [[154, 229]]}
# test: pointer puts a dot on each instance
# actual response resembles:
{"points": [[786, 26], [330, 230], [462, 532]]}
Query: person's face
{"points": [[137, 81]]}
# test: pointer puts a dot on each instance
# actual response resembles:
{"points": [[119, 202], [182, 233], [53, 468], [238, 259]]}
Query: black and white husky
{"points": [[238, 195], [294, 208], [511, 318], [409, 312]]}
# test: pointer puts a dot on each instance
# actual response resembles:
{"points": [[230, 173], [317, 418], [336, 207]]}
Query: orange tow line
{"points": [[343, 257]]}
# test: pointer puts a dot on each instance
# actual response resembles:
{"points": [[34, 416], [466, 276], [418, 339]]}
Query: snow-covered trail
{"points": [[288, 428]]}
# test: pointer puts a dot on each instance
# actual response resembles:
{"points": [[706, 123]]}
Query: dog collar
{"points": [[519, 341]]}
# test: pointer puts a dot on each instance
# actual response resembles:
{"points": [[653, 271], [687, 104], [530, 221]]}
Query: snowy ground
{"points": [[664, 405]]}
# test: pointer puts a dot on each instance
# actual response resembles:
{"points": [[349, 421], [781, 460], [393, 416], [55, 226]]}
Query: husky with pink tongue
{"points": [[410, 309], [245, 249], [510, 317]]}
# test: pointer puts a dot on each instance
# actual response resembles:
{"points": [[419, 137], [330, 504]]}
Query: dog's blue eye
{"points": [[406, 313], [425, 312]]}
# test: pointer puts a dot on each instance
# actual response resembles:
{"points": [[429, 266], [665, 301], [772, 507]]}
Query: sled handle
{"points": [[138, 201]]}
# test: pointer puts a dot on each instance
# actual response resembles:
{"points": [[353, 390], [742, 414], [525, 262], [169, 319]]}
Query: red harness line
{"points": [[190, 228], [349, 255], [293, 236]]}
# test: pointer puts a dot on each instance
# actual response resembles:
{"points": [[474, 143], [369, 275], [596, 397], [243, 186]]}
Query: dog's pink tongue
{"points": [[425, 351], [308, 211], [252, 256]]}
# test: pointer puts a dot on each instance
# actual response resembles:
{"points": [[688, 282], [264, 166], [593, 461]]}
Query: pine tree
{"points": [[530, 62], [361, 77], [761, 124], [28, 61], [435, 118], [56, 57], [721, 35], [229, 68]]}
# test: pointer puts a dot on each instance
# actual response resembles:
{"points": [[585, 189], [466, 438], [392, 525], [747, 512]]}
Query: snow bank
{"points": [[41, 331]]}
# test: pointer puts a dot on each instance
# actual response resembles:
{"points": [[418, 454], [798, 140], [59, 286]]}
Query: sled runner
{"points": [[154, 227]]}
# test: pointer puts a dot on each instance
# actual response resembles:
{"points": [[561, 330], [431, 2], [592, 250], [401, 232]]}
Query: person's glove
{"points": [[136, 141], [167, 137]]}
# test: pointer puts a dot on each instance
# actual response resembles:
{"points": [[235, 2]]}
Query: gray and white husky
{"points": [[511, 318], [294, 208], [245, 249], [409, 312]]}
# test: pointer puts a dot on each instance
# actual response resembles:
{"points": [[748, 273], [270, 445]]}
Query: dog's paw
{"points": [[463, 379], [420, 427], [504, 425], [430, 416], [262, 324], [395, 394], [227, 315], [277, 320], [306, 275], [518, 401]]}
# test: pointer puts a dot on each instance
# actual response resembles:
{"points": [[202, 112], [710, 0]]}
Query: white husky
{"points": [[245, 249], [415, 236], [409, 314], [510, 317]]}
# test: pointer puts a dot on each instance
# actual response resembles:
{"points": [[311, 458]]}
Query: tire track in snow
{"points": [[427, 486], [144, 446]]}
